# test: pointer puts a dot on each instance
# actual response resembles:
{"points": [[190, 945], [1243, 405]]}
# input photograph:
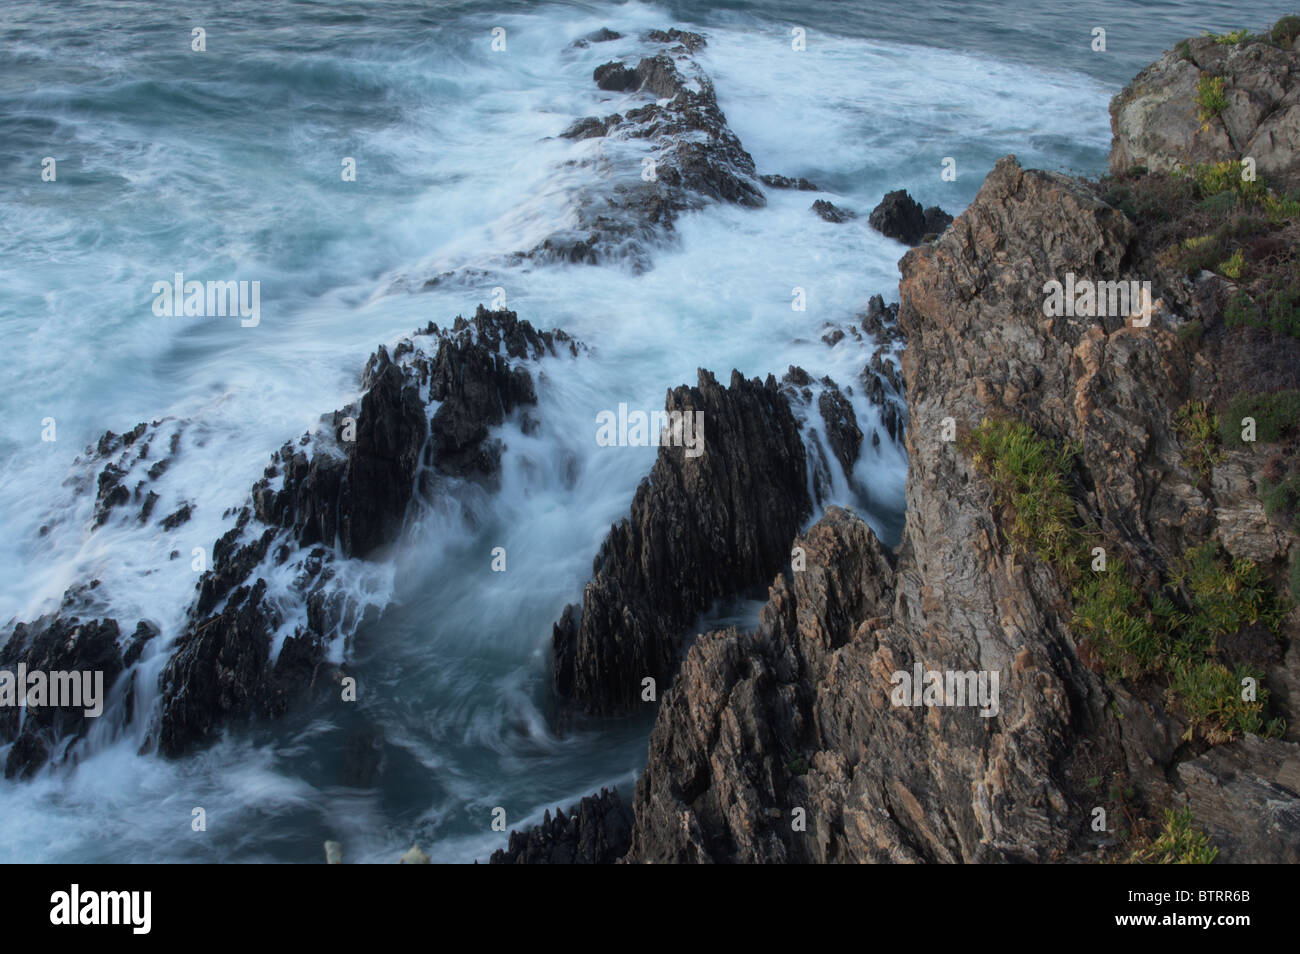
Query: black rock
{"points": [[614, 77], [785, 182], [597, 831], [832, 213], [900, 217]]}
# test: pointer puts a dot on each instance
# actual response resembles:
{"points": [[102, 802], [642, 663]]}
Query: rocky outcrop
{"points": [[597, 831], [1159, 124], [786, 182], [899, 216], [700, 528], [832, 213], [787, 745], [348, 486], [62, 648], [696, 157]]}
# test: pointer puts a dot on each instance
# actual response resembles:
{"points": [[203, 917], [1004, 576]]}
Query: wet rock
{"points": [[700, 528], [172, 521], [55, 644], [347, 486], [614, 77], [899, 216], [621, 213], [144, 632], [597, 831], [832, 213], [692, 42], [936, 221], [785, 182], [841, 425]]}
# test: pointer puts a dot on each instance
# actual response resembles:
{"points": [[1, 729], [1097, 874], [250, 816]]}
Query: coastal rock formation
{"points": [[899, 216], [60, 647], [350, 483], [832, 213], [597, 831], [795, 722], [700, 528], [1208, 101], [696, 157]]}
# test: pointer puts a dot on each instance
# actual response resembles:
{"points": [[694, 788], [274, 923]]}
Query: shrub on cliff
{"points": [[1285, 31]]}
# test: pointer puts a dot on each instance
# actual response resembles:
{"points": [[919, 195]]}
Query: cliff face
{"points": [[796, 719]]}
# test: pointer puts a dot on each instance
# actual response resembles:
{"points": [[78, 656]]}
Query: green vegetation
{"points": [[1276, 414], [1282, 497], [1110, 613], [1229, 176], [1233, 265], [1210, 695], [1179, 843], [1225, 596], [1184, 50], [1293, 577], [1173, 634], [1030, 481], [1228, 39], [1210, 99], [1285, 31], [1198, 429]]}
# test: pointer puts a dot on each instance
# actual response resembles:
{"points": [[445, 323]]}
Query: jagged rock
{"points": [[597, 831], [348, 486], [1246, 797], [172, 521], [1155, 120], [54, 644], [144, 632], [899, 216], [832, 213], [799, 714], [693, 42], [700, 528], [936, 221], [698, 159], [785, 182], [841, 425], [616, 78]]}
